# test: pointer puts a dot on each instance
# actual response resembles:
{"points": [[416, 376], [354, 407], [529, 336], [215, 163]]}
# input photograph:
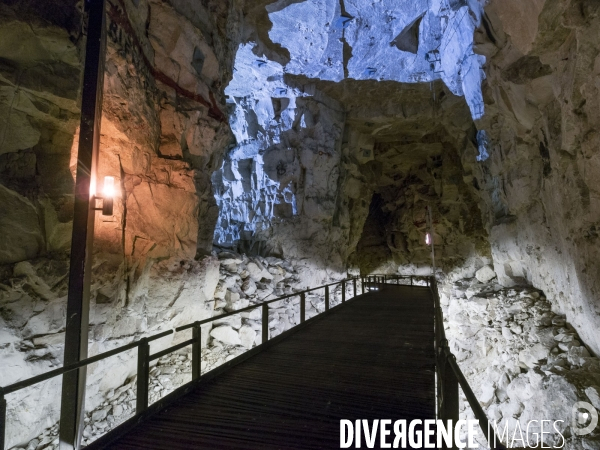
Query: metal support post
{"points": [[76, 330], [362, 285], [449, 399], [343, 291], [265, 322], [143, 376], [354, 283], [326, 298], [302, 307], [2, 420], [197, 351]]}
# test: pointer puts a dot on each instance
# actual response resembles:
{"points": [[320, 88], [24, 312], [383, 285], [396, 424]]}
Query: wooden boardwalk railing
{"points": [[144, 357], [374, 358]]}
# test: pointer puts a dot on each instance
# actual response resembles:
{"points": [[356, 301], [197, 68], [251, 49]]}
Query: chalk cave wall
{"points": [[164, 130], [538, 188], [312, 150]]}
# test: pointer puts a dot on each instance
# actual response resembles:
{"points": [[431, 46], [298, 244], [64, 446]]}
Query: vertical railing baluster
{"points": [[2, 420], [449, 402], [343, 291], [197, 351], [143, 375], [411, 280], [265, 322], [326, 298], [302, 307], [354, 282], [362, 285]]}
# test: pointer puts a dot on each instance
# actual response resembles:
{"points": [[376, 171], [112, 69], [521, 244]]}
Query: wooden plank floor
{"points": [[370, 359]]}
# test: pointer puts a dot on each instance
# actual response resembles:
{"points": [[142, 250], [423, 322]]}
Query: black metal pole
{"points": [[76, 332], [196, 351], [2, 420], [302, 308], [143, 376], [326, 298], [343, 291], [265, 322]]}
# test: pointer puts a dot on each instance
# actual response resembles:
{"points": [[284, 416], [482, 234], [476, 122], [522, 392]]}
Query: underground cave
{"points": [[282, 214]]}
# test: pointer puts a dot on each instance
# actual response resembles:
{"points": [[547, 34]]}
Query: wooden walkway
{"points": [[370, 359]]}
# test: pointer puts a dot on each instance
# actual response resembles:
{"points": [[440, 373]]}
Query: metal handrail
{"points": [[448, 380], [386, 278], [144, 356]]}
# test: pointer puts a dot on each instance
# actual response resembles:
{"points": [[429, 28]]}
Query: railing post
{"points": [[326, 298], [143, 375], [449, 408], [72, 409], [362, 285], [265, 321], [343, 291], [354, 283], [2, 420], [197, 351], [303, 307], [411, 280]]}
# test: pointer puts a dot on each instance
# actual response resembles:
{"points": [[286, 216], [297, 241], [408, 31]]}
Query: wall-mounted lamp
{"points": [[108, 196], [428, 239]]}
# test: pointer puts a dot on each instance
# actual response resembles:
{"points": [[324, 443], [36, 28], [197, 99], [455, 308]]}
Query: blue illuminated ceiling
{"points": [[409, 41]]}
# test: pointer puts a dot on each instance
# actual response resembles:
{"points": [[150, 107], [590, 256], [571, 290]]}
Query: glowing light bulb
{"points": [[108, 194], [109, 187], [428, 239], [585, 416]]}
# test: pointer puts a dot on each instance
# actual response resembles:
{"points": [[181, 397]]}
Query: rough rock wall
{"points": [[539, 184], [524, 362], [164, 130], [277, 187], [408, 177], [409, 41], [301, 178], [405, 144]]}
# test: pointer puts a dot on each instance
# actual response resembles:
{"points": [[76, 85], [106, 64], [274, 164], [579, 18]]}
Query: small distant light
{"points": [[585, 416], [428, 239]]}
